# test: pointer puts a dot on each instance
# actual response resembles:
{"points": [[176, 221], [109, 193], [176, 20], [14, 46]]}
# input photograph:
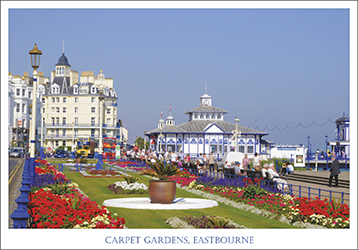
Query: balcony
{"points": [[80, 125]]}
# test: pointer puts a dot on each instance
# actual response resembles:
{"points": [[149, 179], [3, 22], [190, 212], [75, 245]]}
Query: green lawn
{"points": [[96, 190]]}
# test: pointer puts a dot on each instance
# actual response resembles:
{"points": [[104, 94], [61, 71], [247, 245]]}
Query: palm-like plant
{"points": [[162, 170]]}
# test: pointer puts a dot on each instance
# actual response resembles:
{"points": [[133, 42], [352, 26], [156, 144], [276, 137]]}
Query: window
{"points": [[75, 89], [242, 149], [57, 132], [30, 94], [64, 132], [114, 111], [64, 110], [53, 99], [57, 110], [52, 132], [56, 143], [57, 99], [108, 120], [76, 110], [18, 92], [201, 116], [76, 121], [57, 120], [93, 99], [250, 149], [43, 110], [24, 92], [63, 120], [23, 108], [18, 108], [76, 99], [93, 121], [43, 100], [212, 116], [53, 110], [92, 132], [207, 116], [114, 122], [53, 120], [93, 110], [108, 111], [76, 132], [64, 99], [196, 116], [93, 89], [63, 143], [108, 131], [219, 116]]}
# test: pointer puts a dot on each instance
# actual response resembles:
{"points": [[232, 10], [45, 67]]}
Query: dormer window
{"points": [[55, 90], [207, 116], [219, 116], [201, 116], [93, 89], [106, 91], [196, 116]]}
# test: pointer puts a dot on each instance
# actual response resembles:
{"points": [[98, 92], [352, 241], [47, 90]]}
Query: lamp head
{"points": [[35, 55]]}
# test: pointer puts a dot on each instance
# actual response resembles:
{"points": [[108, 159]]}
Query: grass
{"points": [[96, 190]]}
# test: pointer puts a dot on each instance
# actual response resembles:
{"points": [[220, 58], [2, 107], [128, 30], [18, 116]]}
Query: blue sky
{"points": [[267, 66]]}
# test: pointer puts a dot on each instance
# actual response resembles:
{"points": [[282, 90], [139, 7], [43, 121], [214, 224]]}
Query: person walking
{"points": [[245, 163], [256, 161], [211, 162], [335, 171]]}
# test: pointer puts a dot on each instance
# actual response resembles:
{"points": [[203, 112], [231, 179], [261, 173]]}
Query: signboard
{"points": [[19, 122]]}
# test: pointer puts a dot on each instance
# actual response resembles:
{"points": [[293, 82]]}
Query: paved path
{"points": [[14, 189]]}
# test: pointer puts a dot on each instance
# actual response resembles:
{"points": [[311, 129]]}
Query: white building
{"points": [[20, 103], [71, 106], [205, 132]]}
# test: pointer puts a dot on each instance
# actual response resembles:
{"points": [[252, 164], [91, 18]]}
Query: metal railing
{"points": [[293, 190]]}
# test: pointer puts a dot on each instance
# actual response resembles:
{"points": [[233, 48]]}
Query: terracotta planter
{"points": [[162, 191]]}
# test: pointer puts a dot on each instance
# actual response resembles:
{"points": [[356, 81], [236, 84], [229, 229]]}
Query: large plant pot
{"points": [[162, 191]]}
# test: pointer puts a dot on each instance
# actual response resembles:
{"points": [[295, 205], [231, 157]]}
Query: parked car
{"points": [[230, 157], [16, 152], [61, 153]]}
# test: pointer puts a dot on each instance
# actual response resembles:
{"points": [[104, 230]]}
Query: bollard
{"points": [[60, 167]]}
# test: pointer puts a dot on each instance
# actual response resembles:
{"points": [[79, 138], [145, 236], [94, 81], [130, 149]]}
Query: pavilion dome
{"points": [[63, 60]]}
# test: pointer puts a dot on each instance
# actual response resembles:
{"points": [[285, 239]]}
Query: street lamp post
{"points": [[35, 55], [42, 155], [326, 152], [99, 165], [144, 142], [308, 152], [236, 132]]}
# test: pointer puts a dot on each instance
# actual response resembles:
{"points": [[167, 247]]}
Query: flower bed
{"points": [[323, 213], [122, 187], [56, 203], [205, 221], [103, 172]]}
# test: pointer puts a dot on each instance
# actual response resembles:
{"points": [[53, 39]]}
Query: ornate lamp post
{"points": [[35, 55], [42, 155], [236, 132], [326, 153], [160, 141], [308, 152], [99, 165], [144, 141]]}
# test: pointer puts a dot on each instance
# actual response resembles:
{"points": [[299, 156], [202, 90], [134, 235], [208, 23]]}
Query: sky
{"points": [[269, 67]]}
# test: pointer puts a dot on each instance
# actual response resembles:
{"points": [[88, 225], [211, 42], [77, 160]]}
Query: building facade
{"points": [[71, 106], [206, 132], [20, 103]]}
